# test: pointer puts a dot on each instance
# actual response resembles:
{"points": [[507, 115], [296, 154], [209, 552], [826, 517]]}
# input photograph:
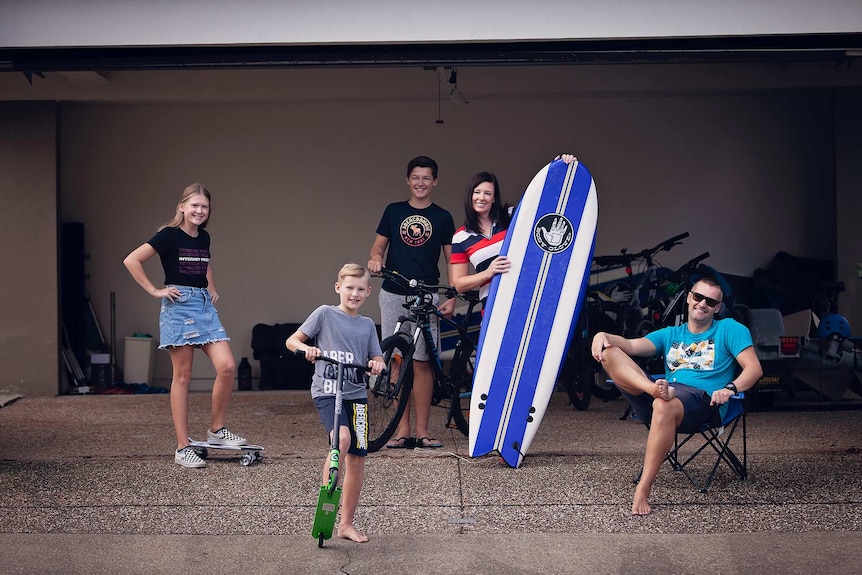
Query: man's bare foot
{"points": [[349, 532], [640, 505], [665, 391]]}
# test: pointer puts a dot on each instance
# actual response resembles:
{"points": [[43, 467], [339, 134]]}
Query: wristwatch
{"points": [[732, 387]]}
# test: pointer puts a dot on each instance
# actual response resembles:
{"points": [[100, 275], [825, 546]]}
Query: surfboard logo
{"points": [[553, 233], [415, 230]]}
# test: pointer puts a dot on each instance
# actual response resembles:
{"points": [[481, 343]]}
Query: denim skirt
{"points": [[191, 319]]}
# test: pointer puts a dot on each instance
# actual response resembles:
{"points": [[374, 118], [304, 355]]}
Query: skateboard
{"points": [[250, 453]]}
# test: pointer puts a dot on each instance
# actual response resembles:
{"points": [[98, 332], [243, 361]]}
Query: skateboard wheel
{"points": [[258, 456], [320, 540], [246, 460], [201, 451]]}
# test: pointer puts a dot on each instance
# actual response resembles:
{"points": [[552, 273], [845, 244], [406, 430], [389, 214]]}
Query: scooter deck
{"points": [[327, 510]]}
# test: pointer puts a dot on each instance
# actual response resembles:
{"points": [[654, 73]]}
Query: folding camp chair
{"points": [[717, 438]]}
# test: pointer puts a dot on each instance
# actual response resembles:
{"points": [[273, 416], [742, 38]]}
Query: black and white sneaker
{"points": [[188, 458], [224, 436]]}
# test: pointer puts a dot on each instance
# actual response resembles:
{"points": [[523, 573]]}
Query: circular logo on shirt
{"points": [[415, 230], [553, 233]]}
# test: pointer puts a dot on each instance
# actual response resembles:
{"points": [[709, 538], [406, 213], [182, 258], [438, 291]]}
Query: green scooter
{"points": [[330, 492]]}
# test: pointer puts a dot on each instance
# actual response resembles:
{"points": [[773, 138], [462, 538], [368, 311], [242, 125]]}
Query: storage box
{"points": [[138, 360], [279, 368], [799, 323], [100, 358]]}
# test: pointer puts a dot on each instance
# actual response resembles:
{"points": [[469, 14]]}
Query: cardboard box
{"points": [[800, 323]]}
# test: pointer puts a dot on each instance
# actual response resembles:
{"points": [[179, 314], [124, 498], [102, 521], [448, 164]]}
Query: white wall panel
{"points": [[35, 23]]}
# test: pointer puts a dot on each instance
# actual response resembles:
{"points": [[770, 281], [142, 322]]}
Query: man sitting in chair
{"points": [[700, 360]]}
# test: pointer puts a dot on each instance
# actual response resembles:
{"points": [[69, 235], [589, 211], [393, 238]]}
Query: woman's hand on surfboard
{"points": [[500, 265], [567, 158]]}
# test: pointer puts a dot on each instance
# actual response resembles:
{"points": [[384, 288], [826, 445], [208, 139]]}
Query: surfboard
{"points": [[531, 311]]}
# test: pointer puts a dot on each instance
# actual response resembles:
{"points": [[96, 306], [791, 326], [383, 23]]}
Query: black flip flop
{"points": [[401, 443], [432, 443]]}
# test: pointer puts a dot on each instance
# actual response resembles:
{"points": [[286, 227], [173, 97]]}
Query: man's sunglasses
{"points": [[699, 297]]}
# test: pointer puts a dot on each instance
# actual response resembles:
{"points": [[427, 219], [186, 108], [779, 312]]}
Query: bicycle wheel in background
{"points": [[461, 378], [650, 365], [576, 377], [388, 394], [604, 389]]}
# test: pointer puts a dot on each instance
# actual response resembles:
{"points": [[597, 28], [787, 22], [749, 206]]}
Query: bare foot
{"points": [[665, 391], [640, 505], [349, 532]]}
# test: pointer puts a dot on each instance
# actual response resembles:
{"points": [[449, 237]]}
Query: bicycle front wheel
{"points": [[461, 376], [388, 394], [576, 377]]}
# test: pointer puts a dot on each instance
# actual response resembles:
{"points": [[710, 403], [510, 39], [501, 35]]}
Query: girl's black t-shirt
{"points": [[184, 259]]}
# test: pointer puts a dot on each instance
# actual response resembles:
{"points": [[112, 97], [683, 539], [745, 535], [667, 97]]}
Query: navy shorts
{"points": [[695, 403], [354, 415], [191, 319]]}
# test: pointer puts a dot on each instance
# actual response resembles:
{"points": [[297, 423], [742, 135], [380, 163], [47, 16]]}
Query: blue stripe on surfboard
{"points": [[516, 431], [552, 348], [536, 263]]}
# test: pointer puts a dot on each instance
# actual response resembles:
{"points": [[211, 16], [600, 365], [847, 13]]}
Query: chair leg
{"points": [[721, 446], [626, 413]]}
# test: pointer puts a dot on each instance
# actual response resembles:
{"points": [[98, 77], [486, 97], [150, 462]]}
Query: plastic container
{"points": [[138, 360]]}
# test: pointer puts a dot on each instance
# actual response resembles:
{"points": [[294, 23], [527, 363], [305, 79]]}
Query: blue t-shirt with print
{"points": [[705, 360]]}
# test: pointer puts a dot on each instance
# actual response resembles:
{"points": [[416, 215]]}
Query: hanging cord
{"points": [[439, 118]]}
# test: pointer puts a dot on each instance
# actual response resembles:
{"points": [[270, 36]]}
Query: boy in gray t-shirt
{"points": [[344, 335]]}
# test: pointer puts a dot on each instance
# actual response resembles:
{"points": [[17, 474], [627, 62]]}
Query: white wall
{"points": [[299, 187], [43, 23]]}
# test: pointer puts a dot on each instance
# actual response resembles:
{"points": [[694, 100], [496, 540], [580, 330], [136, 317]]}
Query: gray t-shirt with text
{"points": [[346, 338]]}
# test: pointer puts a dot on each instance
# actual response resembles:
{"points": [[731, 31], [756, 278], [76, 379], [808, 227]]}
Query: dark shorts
{"points": [[695, 403], [354, 415]]}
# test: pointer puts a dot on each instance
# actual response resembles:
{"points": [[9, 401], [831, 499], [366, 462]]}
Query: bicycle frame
{"points": [[388, 398], [421, 316]]}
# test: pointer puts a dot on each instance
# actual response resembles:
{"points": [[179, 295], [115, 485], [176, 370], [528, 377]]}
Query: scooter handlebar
{"points": [[301, 354]]}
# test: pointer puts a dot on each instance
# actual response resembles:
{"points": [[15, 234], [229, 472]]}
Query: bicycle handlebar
{"points": [[685, 270], [626, 259], [695, 261], [668, 244], [414, 284]]}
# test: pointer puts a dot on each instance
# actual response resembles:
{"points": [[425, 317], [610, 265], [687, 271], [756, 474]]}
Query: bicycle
{"points": [[623, 307], [388, 396], [669, 307], [636, 297]]}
